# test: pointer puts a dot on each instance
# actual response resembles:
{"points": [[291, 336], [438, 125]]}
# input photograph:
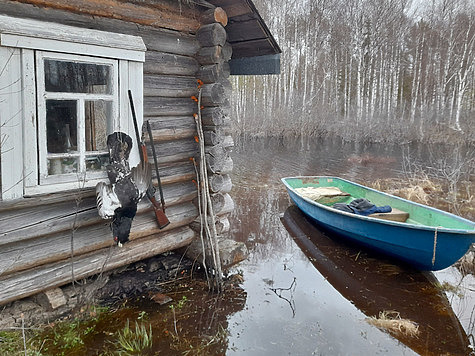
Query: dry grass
{"points": [[392, 322], [420, 189]]}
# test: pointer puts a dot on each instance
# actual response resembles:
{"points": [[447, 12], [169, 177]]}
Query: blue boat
{"points": [[427, 238]]}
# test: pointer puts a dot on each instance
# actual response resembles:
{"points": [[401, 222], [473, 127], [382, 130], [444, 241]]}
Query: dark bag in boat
{"points": [[362, 206]]}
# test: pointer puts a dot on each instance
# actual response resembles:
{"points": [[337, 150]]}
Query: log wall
{"points": [[213, 56], [45, 240]]}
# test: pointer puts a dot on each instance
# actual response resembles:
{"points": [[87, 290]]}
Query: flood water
{"points": [[310, 295], [302, 291]]}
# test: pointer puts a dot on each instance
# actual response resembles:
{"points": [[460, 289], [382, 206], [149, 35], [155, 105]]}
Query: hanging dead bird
{"points": [[118, 200]]}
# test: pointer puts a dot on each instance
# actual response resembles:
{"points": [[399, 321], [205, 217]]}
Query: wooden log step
{"points": [[215, 15], [169, 64], [167, 128], [169, 86], [212, 34], [220, 183], [163, 106], [27, 283], [55, 247]]}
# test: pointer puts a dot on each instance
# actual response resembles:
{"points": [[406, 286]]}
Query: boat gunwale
{"points": [[383, 221]]}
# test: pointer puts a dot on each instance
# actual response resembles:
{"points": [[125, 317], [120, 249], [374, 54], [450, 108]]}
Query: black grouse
{"points": [[118, 200]]}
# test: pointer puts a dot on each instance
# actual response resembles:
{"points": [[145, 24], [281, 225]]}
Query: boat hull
{"points": [[424, 247]]}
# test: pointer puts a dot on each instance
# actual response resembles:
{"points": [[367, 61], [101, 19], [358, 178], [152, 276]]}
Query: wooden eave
{"points": [[247, 31]]}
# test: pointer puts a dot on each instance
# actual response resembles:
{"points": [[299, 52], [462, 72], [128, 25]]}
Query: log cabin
{"points": [[65, 71]]}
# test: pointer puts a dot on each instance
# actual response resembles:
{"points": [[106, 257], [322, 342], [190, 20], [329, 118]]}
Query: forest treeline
{"points": [[372, 70]]}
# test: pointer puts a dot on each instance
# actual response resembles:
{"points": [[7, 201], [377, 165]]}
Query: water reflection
{"points": [[375, 286], [293, 307]]}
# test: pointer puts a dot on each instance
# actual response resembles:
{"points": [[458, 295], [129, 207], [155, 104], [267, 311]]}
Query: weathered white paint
{"points": [[40, 35], [23, 98], [11, 147], [30, 142]]}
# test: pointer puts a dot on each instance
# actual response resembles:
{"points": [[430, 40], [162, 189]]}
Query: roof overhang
{"points": [[255, 51]]}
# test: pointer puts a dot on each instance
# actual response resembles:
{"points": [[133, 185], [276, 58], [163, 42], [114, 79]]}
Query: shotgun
{"points": [[162, 219], [162, 200]]}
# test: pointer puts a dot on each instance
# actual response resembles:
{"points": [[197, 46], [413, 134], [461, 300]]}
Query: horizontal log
{"points": [[214, 115], [156, 39], [30, 282], [212, 73], [220, 183], [221, 223], [55, 247], [173, 151], [228, 206], [163, 106], [166, 128], [175, 172], [214, 15], [222, 165], [169, 86], [162, 15], [169, 64], [213, 138], [211, 35], [213, 94], [41, 200], [209, 55], [170, 173], [217, 150], [33, 222]]}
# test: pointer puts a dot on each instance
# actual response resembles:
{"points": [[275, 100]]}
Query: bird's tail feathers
{"points": [[142, 176]]}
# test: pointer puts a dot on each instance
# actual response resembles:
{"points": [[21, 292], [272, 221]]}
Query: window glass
{"points": [[76, 77], [61, 126], [96, 124], [62, 165]]}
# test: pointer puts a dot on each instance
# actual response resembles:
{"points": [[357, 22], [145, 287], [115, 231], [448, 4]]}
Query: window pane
{"points": [[74, 77], [62, 165], [97, 163], [98, 124], [61, 126]]}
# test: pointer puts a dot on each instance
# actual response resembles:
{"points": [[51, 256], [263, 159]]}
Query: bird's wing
{"points": [[142, 176], [106, 200]]}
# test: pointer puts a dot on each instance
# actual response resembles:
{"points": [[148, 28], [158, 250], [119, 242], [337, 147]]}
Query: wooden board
{"points": [[394, 215]]}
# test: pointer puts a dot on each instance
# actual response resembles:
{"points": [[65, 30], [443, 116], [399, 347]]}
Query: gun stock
{"points": [[162, 219]]}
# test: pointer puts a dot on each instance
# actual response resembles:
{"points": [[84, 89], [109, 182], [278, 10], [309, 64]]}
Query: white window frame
{"points": [[81, 98], [22, 110]]}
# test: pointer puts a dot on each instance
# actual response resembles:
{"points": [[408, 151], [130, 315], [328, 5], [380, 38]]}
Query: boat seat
{"points": [[394, 215]]}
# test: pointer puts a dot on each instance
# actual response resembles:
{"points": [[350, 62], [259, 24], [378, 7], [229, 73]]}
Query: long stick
{"points": [[207, 204]]}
